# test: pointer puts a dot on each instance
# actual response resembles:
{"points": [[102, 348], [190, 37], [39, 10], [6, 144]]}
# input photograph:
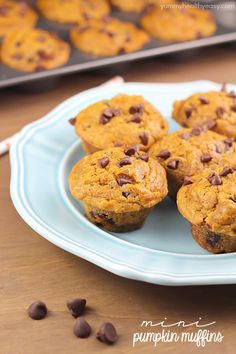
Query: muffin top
{"points": [[119, 179], [108, 36], [187, 152], [178, 24], [217, 109], [73, 11], [121, 121], [33, 49], [211, 199], [15, 14]]}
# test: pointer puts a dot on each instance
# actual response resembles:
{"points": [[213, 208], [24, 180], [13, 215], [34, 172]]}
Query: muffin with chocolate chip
{"points": [[121, 121], [209, 204], [217, 109], [187, 152], [118, 187]]}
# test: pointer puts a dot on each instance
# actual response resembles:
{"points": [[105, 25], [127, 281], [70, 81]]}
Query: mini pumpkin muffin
{"points": [[120, 121], [34, 49], [178, 24], [118, 187], [108, 37], [15, 15], [73, 11], [215, 108], [137, 5], [209, 204], [187, 152]]}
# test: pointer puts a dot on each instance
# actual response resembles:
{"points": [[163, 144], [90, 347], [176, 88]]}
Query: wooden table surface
{"points": [[32, 268]]}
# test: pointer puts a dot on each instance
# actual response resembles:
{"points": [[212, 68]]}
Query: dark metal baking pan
{"points": [[80, 61]]}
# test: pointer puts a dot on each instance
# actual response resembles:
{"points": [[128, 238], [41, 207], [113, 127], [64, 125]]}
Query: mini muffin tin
{"points": [[80, 61]]}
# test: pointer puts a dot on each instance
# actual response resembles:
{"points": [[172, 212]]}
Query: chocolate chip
{"points": [[125, 194], [188, 111], [203, 100], [107, 333], [228, 143], [37, 310], [185, 136], [214, 179], [212, 239], [104, 161], [138, 108], [144, 138], [131, 150], [220, 112], [206, 158], [173, 165], [164, 154], [211, 124], [76, 306], [107, 112], [104, 120], [106, 218], [144, 157], [135, 119], [187, 181], [122, 51], [233, 108], [124, 179], [44, 55], [196, 131], [116, 111], [226, 171], [125, 161], [72, 121], [81, 328]]}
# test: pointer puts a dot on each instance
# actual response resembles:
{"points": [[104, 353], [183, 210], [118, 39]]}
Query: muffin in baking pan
{"points": [[118, 187]]}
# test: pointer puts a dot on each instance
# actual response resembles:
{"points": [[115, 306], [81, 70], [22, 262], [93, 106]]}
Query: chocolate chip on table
{"points": [[203, 100], [188, 111], [220, 112], [138, 108], [107, 333], [206, 158], [214, 179], [37, 310], [135, 119], [185, 136], [104, 161], [187, 181], [125, 161], [81, 328], [164, 154], [144, 138], [173, 165], [76, 306], [72, 121], [124, 179], [144, 157], [228, 143], [226, 171], [131, 150], [196, 131]]}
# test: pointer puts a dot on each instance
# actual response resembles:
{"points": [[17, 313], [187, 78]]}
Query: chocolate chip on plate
{"points": [[37, 310], [214, 179], [164, 154], [76, 306], [104, 161], [124, 179], [107, 333], [220, 112], [187, 180], [144, 138], [131, 150], [188, 111], [72, 121], [125, 161], [138, 108], [226, 171], [81, 328], [173, 165], [203, 100], [206, 158]]}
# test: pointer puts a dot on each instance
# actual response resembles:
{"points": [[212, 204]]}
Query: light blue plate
{"points": [[162, 252]]}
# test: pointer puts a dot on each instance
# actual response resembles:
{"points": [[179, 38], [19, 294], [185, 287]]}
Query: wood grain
{"points": [[31, 268]]}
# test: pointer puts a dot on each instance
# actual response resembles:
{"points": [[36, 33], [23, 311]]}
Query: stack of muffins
{"points": [[132, 163]]}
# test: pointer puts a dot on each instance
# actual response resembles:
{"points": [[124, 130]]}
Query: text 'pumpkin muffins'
{"points": [[34, 49], [73, 11], [108, 37], [209, 204], [14, 15], [118, 187], [217, 109], [187, 152], [121, 121], [178, 24]]}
